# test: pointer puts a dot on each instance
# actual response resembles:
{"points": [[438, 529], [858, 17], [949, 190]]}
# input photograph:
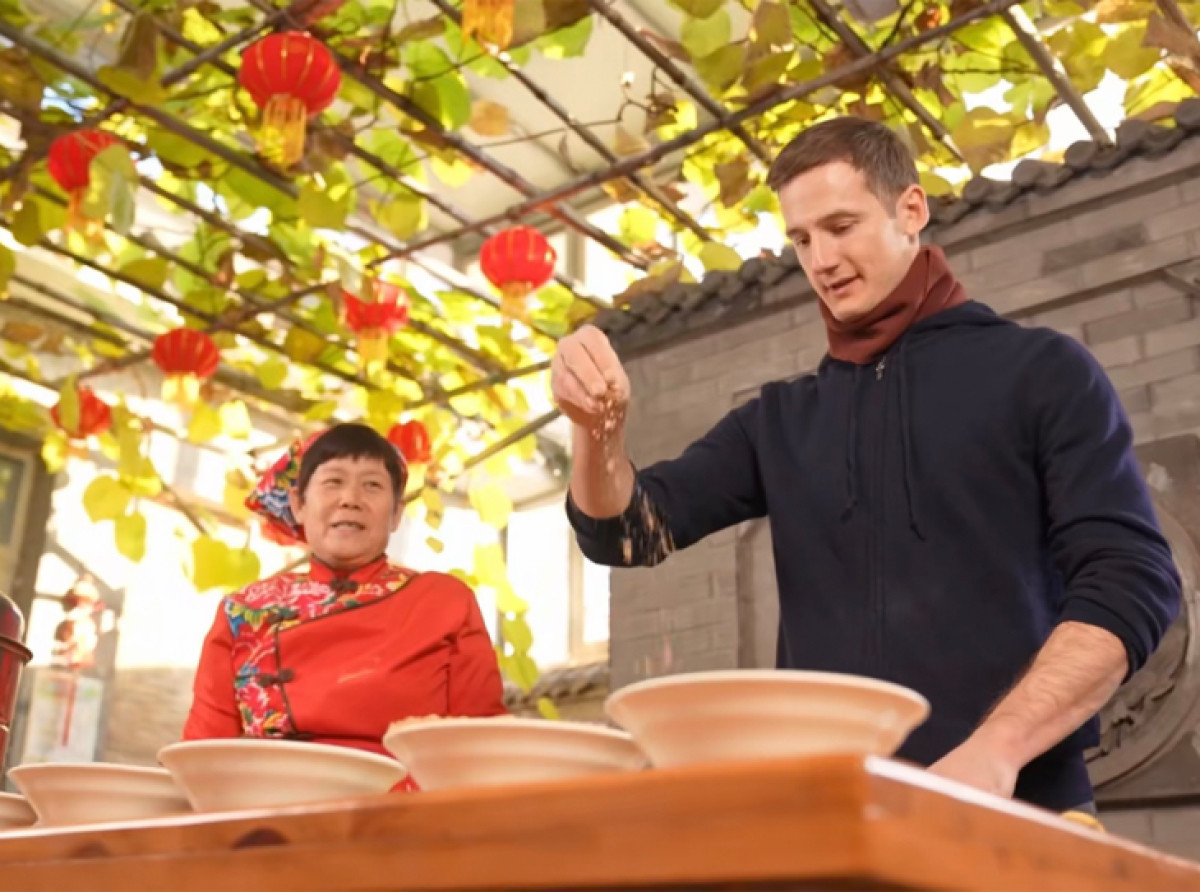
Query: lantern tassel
{"points": [[491, 21], [285, 120], [512, 300], [182, 390], [373, 347]]}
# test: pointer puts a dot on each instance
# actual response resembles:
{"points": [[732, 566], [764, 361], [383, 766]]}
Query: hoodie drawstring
{"points": [[906, 446], [910, 489], [852, 449]]}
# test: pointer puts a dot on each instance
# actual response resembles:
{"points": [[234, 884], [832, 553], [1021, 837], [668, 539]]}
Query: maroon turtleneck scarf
{"points": [[927, 288]]}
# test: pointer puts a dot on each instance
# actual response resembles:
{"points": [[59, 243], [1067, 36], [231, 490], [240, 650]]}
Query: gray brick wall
{"points": [[1173, 829]]}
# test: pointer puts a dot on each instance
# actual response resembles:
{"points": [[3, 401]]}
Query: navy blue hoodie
{"points": [[934, 515]]}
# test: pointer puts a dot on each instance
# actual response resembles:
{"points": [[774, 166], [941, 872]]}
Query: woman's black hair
{"points": [[352, 440]]}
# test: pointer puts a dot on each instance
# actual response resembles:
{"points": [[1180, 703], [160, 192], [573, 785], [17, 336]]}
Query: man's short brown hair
{"points": [[865, 145]]}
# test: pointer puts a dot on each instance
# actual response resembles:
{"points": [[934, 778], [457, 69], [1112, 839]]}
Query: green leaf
{"points": [[681, 120], [516, 633], [492, 504], [105, 499], [761, 200], [248, 193], [703, 37], [205, 424], [1125, 55], [68, 405], [935, 185], [271, 372], [111, 188], [721, 70], [569, 42], [149, 271], [402, 215], [320, 411], [27, 224], [767, 71], [437, 87], [8, 266], [984, 137], [1158, 87], [389, 146], [638, 226], [217, 566], [771, 24], [130, 533], [1029, 137], [490, 568], [716, 256], [476, 58], [54, 451], [173, 149], [325, 209], [303, 346], [122, 82], [451, 168], [700, 9]]}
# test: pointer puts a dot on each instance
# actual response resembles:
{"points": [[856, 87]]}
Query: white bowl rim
{"points": [[777, 676], [414, 726], [36, 768], [12, 797], [262, 743]]}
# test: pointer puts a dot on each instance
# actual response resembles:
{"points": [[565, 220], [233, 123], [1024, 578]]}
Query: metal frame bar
{"points": [[1021, 27]]}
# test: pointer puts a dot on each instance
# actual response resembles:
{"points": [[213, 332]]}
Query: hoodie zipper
{"points": [[875, 606]]}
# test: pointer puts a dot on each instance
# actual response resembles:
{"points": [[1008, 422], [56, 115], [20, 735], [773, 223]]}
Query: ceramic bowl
{"points": [[750, 715], [98, 793], [15, 812], [489, 752], [234, 775]]}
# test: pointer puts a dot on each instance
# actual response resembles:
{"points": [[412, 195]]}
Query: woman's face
{"points": [[349, 511]]}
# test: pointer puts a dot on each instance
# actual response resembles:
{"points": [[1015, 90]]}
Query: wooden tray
{"points": [[837, 822]]}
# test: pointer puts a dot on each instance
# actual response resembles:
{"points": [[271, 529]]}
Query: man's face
{"points": [[349, 511], [853, 248]]}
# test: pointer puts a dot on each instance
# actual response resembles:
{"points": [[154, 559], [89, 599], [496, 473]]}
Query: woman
{"points": [[337, 653]]}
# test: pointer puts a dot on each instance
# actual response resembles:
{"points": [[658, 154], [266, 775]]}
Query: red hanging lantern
{"points": [[518, 261], [69, 163], [490, 22], [186, 357], [95, 416], [412, 439], [291, 77], [376, 318]]}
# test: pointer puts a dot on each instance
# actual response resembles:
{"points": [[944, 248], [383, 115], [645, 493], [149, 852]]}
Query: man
{"points": [[954, 501]]}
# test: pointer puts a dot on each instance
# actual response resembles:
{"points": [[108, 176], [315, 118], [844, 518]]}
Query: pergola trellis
{"points": [[636, 170]]}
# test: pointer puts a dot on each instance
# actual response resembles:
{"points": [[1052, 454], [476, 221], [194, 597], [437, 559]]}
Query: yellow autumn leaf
{"points": [[235, 420], [129, 532], [205, 424], [105, 499], [490, 568], [492, 504], [489, 118]]}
